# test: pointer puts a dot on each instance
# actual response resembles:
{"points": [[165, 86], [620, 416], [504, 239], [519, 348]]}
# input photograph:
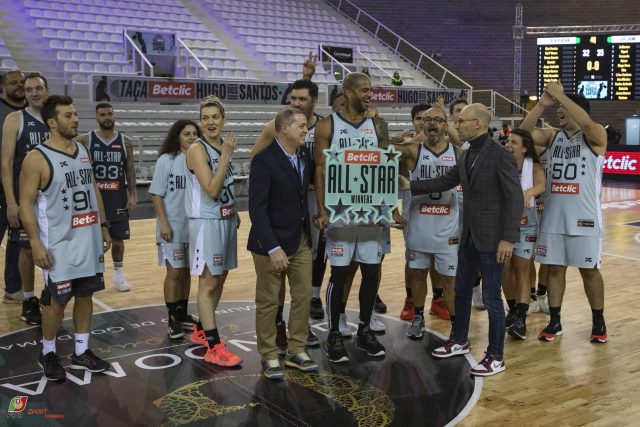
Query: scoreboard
{"points": [[596, 66]]}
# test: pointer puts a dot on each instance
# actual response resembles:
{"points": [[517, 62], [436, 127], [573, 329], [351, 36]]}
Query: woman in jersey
{"points": [[213, 223], [515, 280], [167, 192]]}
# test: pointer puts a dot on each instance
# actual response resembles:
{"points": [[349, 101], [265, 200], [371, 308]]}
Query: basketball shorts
{"points": [[444, 263], [570, 251], [525, 247], [63, 291], [119, 230], [405, 197], [385, 240], [359, 244], [313, 211], [173, 253], [213, 243], [19, 236]]}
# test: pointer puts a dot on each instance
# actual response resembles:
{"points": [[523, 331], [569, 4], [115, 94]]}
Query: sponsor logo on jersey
{"points": [[565, 188], [63, 287], [453, 240], [218, 259], [367, 130], [109, 185], [227, 212], [158, 89], [178, 254], [337, 251], [362, 157], [84, 219], [434, 209], [540, 206], [447, 158], [530, 238], [84, 159], [524, 220], [541, 250], [116, 146], [384, 96], [586, 223]]}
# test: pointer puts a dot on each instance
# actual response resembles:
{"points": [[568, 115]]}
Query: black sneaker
{"points": [[335, 348], [187, 321], [175, 328], [89, 362], [281, 337], [518, 329], [31, 311], [553, 330], [367, 341], [312, 339], [509, 319], [51, 367], [379, 306], [316, 311], [598, 333]]}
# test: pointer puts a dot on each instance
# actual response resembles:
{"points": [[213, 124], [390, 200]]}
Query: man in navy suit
{"points": [[280, 239]]}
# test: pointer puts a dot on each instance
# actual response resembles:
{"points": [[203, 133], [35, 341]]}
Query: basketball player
{"points": [[213, 223], [12, 99], [22, 131], [516, 282], [433, 226], [68, 237], [359, 243], [112, 157], [571, 232], [167, 192]]}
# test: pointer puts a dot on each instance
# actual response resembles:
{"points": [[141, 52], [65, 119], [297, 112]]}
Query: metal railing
{"points": [[373, 63], [138, 58], [422, 62], [186, 53], [333, 62]]}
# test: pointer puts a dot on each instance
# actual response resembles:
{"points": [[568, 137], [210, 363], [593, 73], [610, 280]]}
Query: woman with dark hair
{"points": [[167, 192], [515, 280]]}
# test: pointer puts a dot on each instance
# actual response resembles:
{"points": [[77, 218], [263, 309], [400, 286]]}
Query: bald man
{"points": [[491, 221]]}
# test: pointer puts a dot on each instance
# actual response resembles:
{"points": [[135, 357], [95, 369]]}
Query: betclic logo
{"points": [[622, 163]]}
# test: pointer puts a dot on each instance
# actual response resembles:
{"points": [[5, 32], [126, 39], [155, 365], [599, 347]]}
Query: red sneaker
{"points": [[198, 336], [221, 356], [439, 308], [408, 311]]}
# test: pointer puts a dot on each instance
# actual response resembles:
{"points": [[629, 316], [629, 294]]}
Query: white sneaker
{"points": [[534, 306], [376, 325], [344, 329], [476, 298], [543, 302], [120, 282]]}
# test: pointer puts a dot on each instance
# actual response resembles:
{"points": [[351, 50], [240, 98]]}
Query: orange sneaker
{"points": [[408, 311], [439, 308], [198, 336], [221, 356]]}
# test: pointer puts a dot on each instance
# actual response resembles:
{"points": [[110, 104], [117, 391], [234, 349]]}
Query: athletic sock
{"points": [[48, 346], [542, 289], [409, 292], [315, 290], [213, 338], [437, 292], [419, 311], [512, 304], [279, 314], [172, 308], [82, 343], [555, 314], [597, 316], [343, 308], [521, 310], [28, 295], [117, 266], [477, 282]]}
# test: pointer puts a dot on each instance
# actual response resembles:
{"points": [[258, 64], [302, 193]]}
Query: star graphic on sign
{"points": [[361, 215], [339, 211], [391, 154], [356, 179], [381, 211], [66, 207], [332, 153]]}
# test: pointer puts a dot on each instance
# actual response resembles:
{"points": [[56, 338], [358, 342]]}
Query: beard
{"points": [[105, 126], [69, 133], [16, 99]]}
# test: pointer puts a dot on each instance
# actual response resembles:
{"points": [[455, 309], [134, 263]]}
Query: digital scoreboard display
{"points": [[596, 66]]}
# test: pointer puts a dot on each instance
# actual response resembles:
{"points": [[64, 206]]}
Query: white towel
{"points": [[526, 175]]}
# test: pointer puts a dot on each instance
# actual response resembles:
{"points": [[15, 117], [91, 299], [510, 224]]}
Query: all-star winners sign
{"points": [[361, 183]]}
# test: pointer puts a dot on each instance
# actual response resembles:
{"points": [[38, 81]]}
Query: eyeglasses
{"points": [[428, 119], [461, 120]]}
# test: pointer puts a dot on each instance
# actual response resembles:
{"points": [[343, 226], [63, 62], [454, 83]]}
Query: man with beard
{"points": [[11, 100], [69, 236], [22, 131], [112, 160], [433, 225]]}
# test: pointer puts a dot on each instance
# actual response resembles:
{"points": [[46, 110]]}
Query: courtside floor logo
{"points": [[157, 381]]}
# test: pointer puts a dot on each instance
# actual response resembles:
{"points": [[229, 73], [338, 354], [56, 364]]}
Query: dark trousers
{"points": [[12, 281], [470, 261]]}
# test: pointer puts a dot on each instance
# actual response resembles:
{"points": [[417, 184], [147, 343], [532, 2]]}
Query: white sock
{"points": [[82, 343], [28, 295], [117, 266], [316, 291], [48, 346]]}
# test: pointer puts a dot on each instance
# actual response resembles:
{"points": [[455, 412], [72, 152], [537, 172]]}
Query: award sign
{"points": [[361, 183]]}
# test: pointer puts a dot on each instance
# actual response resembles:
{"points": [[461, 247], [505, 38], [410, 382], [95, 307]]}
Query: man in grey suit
{"points": [[493, 204]]}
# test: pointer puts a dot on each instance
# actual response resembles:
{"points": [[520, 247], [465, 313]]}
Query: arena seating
{"points": [[6, 59]]}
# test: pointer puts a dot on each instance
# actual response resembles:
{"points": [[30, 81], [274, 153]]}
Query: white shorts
{"points": [[359, 243], [175, 253], [526, 247], [214, 243], [445, 263], [570, 251], [385, 240]]}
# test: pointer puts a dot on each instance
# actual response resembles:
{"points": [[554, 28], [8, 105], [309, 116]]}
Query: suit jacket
{"points": [[278, 201], [493, 199]]}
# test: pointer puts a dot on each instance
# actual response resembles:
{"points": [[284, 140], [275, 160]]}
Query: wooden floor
{"points": [[570, 382]]}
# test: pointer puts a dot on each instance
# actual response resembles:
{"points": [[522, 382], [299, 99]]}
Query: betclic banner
{"points": [[407, 96]]}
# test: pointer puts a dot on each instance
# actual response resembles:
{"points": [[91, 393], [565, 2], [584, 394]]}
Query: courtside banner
{"points": [[114, 88], [392, 96], [361, 183], [622, 163]]}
